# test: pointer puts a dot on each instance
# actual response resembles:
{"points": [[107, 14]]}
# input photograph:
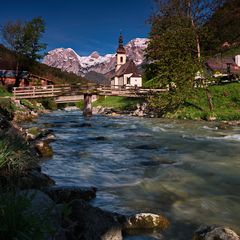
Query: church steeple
{"points": [[121, 53], [120, 49]]}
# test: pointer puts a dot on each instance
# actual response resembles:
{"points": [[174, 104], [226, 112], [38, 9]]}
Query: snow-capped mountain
{"points": [[68, 60]]}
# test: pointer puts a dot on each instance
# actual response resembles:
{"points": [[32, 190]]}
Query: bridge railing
{"points": [[79, 89], [39, 91]]}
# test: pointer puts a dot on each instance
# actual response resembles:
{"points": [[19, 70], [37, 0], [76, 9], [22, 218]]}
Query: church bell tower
{"points": [[121, 53]]}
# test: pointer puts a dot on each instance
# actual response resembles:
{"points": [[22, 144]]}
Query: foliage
{"points": [[7, 108], [27, 104], [15, 154], [4, 92], [80, 104], [16, 222], [48, 103], [8, 60], [224, 25], [174, 51], [24, 38], [174, 60], [226, 102], [117, 103]]}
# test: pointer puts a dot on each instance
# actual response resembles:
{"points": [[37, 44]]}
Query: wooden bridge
{"points": [[73, 93]]}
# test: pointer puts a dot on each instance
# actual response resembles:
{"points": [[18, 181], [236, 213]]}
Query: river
{"points": [[189, 171]]}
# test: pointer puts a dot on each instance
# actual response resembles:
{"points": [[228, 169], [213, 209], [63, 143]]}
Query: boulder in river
{"points": [[35, 179], [145, 221], [46, 211], [93, 223], [43, 148], [65, 194], [215, 233]]}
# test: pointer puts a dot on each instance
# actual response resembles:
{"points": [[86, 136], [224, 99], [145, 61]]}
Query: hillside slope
{"points": [[8, 61]]}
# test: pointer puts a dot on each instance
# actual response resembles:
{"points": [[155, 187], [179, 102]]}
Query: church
{"points": [[126, 72]]}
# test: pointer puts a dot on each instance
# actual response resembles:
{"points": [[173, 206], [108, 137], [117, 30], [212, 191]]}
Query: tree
{"points": [[174, 50], [172, 55], [224, 25], [24, 38]]}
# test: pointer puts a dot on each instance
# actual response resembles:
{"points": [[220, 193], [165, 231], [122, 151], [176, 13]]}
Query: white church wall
{"points": [[136, 81]]}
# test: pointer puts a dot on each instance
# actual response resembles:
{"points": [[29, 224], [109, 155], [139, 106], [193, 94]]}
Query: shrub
{"points": [[48, 103], [80, 104]]}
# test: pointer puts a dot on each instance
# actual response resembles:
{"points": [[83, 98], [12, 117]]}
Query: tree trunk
{"points": [[209, 97], [195, 29]]}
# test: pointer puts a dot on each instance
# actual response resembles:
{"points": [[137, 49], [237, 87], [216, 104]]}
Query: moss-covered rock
{"points": [[43, 149]]}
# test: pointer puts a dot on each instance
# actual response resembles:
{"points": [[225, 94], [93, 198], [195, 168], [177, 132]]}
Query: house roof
{"points": [[136, 75], [110, 74], [220, 64], [128, 67], [13, 74]]}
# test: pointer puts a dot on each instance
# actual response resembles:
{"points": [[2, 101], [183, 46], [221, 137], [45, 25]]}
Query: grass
{"points": [[31, 105], [4, 92], [15, 154], [7, 108], [118, 103], [226, 103]]}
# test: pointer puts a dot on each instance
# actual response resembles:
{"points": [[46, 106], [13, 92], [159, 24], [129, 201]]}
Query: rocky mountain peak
{"points": [[95, 55], [68, 60]]}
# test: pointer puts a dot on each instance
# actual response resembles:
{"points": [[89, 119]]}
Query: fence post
{"points": [[14, 92]]}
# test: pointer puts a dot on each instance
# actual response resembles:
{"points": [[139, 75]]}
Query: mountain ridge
{"points": [[68, 60]]}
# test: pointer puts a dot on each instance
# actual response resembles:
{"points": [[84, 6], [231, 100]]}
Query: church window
{"points": [[128, 80], [121, 59]]}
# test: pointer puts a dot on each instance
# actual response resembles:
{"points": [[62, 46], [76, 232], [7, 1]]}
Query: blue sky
{"points": [[86, 25]]}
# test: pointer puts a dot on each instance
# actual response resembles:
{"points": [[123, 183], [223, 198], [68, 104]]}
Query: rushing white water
{"points": [[189, 171]]}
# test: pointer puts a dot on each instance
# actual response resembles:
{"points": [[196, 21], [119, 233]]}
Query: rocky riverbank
{"points": [[64, 211]]}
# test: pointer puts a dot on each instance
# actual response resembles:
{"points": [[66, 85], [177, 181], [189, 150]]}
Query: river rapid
{"points": [[188, 171]]}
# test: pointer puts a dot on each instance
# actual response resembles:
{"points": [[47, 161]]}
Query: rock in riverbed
{"points": [[43, 148], [66, 194], [215, 233], [93, 223], [146, 221]]}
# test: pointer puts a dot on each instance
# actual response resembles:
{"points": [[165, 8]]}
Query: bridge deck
{"points": [[77, 90]]}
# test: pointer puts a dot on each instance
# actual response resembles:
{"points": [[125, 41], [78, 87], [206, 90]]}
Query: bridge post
{"points": [[87, 109]]}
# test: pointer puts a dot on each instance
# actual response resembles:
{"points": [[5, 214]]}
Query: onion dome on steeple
{"points": [[121, 49]]}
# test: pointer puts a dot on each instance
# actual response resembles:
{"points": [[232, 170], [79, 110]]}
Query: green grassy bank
{"points": [[116, 103], [225, 99]]}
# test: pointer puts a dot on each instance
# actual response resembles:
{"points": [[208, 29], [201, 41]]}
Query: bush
{"points": [[48, 103], [80, 104]]}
